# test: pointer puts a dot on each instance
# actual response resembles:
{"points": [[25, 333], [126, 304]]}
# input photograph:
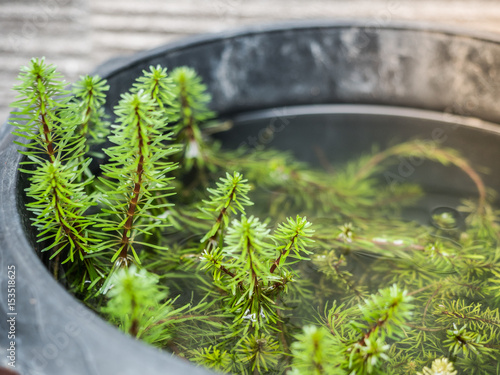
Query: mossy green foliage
{"points": [[320, 276]]}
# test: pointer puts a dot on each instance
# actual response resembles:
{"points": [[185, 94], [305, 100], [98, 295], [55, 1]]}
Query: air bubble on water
{"points": [[446, 218]]}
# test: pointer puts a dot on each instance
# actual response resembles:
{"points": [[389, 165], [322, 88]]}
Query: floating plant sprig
{"points": [[190, 102], [136, 177], [89, 97], [55, 162]]}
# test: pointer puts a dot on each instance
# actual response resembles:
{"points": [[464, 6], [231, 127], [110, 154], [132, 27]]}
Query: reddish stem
{"points": [[125, 241]]}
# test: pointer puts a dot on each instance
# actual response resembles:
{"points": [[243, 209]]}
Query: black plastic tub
{"points": [[337, 86]]}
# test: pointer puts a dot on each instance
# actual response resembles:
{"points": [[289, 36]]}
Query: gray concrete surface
{"points": [[78, 34]]}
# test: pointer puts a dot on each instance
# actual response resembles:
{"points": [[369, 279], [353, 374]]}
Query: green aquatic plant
{"points": [[250, 261], [136, 177], [55, 163]]}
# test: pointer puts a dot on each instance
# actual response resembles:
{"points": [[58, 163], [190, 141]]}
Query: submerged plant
{"points": [[251, 262]]}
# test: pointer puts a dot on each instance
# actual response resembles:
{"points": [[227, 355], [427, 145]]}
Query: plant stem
{"points": [[283, 252], [254, 274], [136, 192], [419, 149], [48, 138], [43, 117], [134, 327], [454, 314], [429, 302], [219, 221]]}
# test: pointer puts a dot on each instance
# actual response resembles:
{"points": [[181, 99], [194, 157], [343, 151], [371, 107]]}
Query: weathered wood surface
{"points": [[78, 34]]}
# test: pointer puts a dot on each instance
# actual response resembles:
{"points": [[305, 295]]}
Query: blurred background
{"points": [[77, 35]]}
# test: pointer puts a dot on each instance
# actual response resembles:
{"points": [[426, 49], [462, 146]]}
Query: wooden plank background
{"points": [[79, 34]]}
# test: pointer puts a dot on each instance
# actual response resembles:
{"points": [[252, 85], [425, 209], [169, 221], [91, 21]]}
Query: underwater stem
{"points": [[431, 152]]}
